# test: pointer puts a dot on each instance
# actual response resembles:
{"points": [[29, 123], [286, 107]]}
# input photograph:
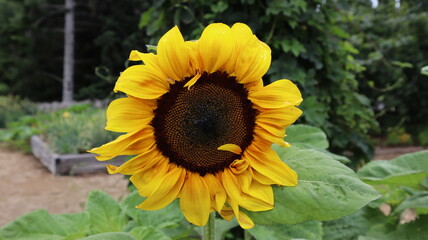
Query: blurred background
{"points": [[357, 62]]}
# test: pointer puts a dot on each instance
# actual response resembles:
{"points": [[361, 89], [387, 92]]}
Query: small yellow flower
{"points": [[66, 114], [201, 124]]}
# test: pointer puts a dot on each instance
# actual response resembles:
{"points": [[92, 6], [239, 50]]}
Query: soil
{"points": [[27, 185], [389, 153]]}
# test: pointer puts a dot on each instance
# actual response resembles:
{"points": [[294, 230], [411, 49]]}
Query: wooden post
{"points": [[68, 67]]}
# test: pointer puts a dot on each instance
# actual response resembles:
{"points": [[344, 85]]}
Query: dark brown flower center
{"points": [[190, 124]]}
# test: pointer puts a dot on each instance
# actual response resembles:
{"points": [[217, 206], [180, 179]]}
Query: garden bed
{"points": [[69, 164]]}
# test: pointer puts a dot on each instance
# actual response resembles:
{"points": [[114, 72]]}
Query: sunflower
{"points": [[201, 124]]}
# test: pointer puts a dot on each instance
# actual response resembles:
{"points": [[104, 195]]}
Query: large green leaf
{"points": [[222, 227], [164, 217], [305, 136], [110, 236], [307, 230], [418, 201], [345, 228], [416, 230], [327, 190], [144, 232], [406, 170], [105, 213], [308, 137], [40, 225]]}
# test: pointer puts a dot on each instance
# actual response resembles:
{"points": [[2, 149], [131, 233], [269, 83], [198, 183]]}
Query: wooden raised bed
{"points": [[69, 164]]}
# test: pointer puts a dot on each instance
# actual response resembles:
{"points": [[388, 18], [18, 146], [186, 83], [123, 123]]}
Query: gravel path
{"points": [[26, 185]]}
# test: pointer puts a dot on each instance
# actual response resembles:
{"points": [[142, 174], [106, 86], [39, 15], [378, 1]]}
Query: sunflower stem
{"points": [[208, 232], [247, 235]]}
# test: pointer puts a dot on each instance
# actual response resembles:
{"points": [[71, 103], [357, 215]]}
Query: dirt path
{"points": [[26, 185], [388, 153]]}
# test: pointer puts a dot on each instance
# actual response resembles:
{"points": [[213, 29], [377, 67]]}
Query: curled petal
{"points": [[281, 93], [230, 148]]}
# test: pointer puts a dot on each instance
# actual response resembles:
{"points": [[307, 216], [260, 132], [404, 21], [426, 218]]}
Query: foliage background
{"points": [[356, 65]]}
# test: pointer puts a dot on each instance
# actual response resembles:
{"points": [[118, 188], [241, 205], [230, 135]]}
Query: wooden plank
{"points": [[84, 163], [69, 164], [43, 153]]}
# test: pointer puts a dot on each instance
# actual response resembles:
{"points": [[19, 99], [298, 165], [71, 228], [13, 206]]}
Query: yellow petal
{"points": [[192, 81], [128, 115], [230, 148], [261, 191], [166, 191], [276, 120], [226, 213], [132, 143], [270, 165], [253, 57], [262, 178], [138, 163], [281, 93], [174, 55], [233, 184], [265, 134], [239, 166], [215, 47], [143, 82], [195, 200], [148, 180], [244, 221], [217, 192]]}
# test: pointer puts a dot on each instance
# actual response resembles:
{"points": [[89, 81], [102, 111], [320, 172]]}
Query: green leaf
{"points": [[424, 70], [145, 18], [148, 233], [402, 64], [105, 213], [164, 217], [415, 230], [337, 31], [345, 228], [306, 136], [406, 170], [418, 201], [110, 236], [40, 225], [327, 190], [307, 230], [222, 227]]}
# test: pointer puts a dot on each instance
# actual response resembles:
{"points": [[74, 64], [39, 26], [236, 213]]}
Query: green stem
{"points": [[208, 232], [247, 235]]}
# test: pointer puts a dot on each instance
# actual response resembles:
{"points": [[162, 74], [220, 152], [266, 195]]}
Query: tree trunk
{"points": [[68, 68]]}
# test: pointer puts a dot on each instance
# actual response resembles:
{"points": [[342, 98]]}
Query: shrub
{"points": [[72, 132], [12, 108]]}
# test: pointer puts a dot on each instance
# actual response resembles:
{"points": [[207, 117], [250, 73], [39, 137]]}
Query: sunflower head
{"points": [[201, 123]]}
